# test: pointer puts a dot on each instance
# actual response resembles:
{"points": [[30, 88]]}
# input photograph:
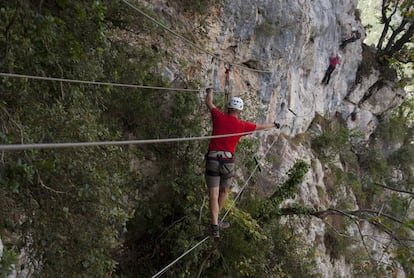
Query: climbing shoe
{"points": [[214, 229], [224, 225]]}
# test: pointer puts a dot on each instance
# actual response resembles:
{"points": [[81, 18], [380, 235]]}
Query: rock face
{"points": [[292, 40]]}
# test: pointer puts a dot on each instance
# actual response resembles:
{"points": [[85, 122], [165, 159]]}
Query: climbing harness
{"points": [[219, 163]]}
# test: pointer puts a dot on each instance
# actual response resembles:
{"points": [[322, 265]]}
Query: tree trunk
{"points": [[400, 43]]}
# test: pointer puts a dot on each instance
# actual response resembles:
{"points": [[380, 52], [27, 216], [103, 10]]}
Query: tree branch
{"points": [[394, 189], [13, 19], [375, 212], [39, 179], [394, 34], [386, 20], [403, 40], [364, 243], [203, 263]]}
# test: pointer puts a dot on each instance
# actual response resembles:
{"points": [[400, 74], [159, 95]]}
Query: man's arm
{"points": [[267, 126], [264, 126], [209, 98]]}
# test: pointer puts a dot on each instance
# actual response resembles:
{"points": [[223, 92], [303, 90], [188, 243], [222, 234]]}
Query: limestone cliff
{"points": [[293, 40]]}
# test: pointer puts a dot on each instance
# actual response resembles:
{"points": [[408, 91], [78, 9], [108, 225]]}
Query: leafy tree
{"points": [[68, 208], [395, 44], [382, 183], [395, 41]]}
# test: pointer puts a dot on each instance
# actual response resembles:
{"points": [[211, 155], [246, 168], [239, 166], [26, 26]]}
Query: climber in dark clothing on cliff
{"points": [[355, 35], [333, 61]]}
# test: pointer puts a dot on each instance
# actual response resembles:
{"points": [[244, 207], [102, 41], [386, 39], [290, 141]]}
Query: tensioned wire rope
{"points": [[17, 147], [162, 271], [190, 42], [88, 82], [4, 74]]}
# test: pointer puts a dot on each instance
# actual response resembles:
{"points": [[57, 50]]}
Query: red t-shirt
{"points": [[334, 61], [226, 124]]}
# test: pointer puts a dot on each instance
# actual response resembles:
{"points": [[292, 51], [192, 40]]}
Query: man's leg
{"points": [[329, 72], [225, 187], [214, 204], [325, 76], [212, 177], [222, 197]]}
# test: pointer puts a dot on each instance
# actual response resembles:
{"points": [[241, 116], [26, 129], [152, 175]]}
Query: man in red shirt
{"points": [[333, 61], [220, 156]]}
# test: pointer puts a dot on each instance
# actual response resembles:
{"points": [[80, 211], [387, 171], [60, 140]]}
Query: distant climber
{"points": [[227, 73], [227, 85], [355, 35], [220, 156], [333, 62]]}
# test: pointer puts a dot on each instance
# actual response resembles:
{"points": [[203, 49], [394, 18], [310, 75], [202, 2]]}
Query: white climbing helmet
{"points": [[339, 56], [235, 103]]}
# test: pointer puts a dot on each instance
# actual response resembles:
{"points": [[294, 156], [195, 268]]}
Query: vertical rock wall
{"points": [[293, 40]]}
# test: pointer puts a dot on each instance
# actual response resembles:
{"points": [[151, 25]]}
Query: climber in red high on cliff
{"points": [[333, 62]]}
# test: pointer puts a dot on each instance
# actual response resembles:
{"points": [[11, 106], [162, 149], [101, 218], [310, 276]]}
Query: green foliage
{"points": [[107, 211], [390, 152], [167, 224], [390, 30], [197, 6], [339, 246], [289, 257], [70, 205], [166, 220], [392, 130], [270, 207], [353, 181], [403, 158], [8, 260], [247, 149], [238, 250], [333, 141], [398, 130], [387, 156], [266, 29], [258, 245], [405, 258], [368, 64], [289, 187]]}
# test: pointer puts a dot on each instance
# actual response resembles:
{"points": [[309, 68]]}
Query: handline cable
{"points": [[158, 274], [246, 183], [93, 82], [15, 147], [190, 42]]}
